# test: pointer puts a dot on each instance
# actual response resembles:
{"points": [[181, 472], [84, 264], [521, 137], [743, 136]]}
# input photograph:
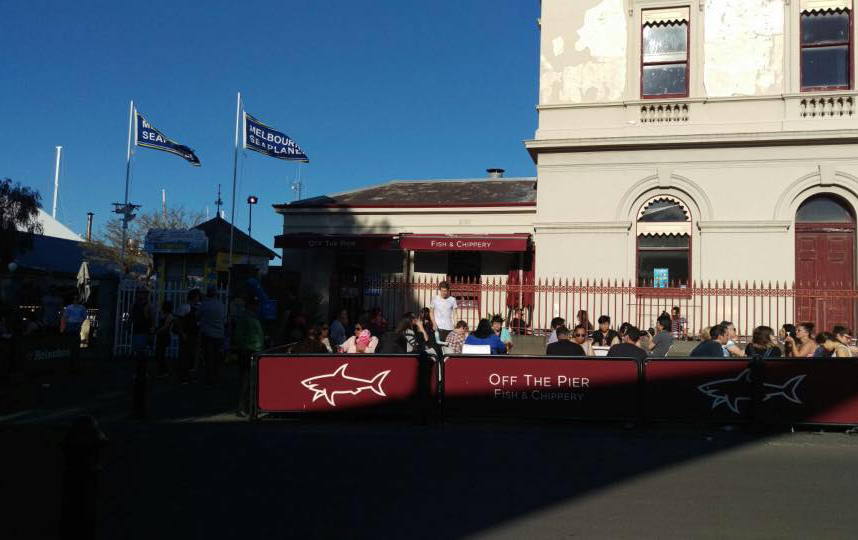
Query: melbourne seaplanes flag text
{"points": [[146, 135], [265, 140]]}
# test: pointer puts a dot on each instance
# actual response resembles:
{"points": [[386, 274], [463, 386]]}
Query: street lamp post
{"points": [[251, 200]]}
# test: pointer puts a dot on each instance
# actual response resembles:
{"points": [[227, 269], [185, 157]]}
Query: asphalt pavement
{"points": [[195, 470]]}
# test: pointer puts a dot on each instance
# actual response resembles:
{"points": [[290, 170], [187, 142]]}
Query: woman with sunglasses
{"points": [[356, 345], [581, 336]]}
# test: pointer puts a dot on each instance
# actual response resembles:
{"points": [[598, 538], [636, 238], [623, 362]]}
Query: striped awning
{"points": [[825, 5], [654, 17]]}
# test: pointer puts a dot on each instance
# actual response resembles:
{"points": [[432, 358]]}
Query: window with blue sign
{"points": [[663, 244]]}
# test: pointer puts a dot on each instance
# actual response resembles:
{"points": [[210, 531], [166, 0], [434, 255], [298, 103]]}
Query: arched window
{"points": [[824, 209], [663, 243]]}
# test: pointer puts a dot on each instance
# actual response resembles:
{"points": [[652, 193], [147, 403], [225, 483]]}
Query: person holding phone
{"points": [[801, 345]]}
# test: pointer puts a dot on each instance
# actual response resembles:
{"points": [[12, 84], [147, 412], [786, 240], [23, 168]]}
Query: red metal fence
{"points": [[746, 304]]}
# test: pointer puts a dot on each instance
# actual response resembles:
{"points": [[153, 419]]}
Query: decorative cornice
{"points": [[680, 141], [583, 227], [750, 227]]}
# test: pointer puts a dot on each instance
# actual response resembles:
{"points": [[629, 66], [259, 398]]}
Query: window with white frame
{"points": [[664, 52]]}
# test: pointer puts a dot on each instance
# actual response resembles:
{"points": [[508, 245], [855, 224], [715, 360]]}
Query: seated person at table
{"points": [[484, 335], [456, 338], [714, 346], [831, 347], [581, 336], [361, 342], [604, 336], [502, 332], [312, 344], [564, 346], [628, 348]]}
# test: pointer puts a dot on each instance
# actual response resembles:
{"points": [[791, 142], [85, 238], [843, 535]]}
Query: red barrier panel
{"points": [[810, 391], [582, 388], [697, 389], [311, 383]]}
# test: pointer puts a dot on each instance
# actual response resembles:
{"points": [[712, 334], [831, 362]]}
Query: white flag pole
{"points": [[56, 181], [234, 178], [127, 178]]}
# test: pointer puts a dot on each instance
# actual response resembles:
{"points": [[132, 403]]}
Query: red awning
{"points": [[465, 242], [370, 242]]}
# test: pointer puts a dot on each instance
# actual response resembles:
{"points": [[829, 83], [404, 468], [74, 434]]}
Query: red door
{"points": [[824, 261]]}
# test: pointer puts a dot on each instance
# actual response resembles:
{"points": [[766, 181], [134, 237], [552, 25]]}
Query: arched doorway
{"points": [[825, 260]]}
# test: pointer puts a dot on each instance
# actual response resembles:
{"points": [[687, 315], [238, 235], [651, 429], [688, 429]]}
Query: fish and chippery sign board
{"points": [[542, 386], [332, 383]]}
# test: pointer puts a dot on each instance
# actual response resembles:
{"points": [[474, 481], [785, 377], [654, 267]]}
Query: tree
{"points": [[107, 246], [19, 219]]}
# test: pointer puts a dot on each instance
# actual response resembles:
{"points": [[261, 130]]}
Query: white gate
{"points": [[175, 292]]}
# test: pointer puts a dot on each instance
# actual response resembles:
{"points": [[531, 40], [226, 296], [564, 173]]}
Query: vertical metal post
{"points": [[56, 181], [127, 178], [234, 178]]}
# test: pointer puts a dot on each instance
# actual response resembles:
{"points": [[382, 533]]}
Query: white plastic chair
{"points": [[476, 349]]}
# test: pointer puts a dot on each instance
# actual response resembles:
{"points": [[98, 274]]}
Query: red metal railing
{"points": [[747, 305]]}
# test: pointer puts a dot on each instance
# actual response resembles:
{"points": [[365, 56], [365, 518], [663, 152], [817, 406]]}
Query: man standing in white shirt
{"points": [[443, 311]]}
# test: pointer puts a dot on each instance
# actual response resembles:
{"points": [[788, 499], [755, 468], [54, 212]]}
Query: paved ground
{"points": [[194, 471]]}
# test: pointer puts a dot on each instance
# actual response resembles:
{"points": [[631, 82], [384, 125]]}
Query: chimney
{"points": [[89, 226], [495, 173]]}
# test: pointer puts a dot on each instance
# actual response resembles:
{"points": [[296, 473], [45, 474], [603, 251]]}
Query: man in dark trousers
{"points": [[628, 348], [142, 327], [563, 346], [714, 346], [212, 319], [248, 339], [188, 331]]}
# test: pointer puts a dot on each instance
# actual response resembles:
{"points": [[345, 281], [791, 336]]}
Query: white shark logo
{"points": [[731, 391], [328, 386]]}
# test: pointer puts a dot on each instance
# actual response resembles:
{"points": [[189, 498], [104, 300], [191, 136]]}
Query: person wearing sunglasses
{"points": [[581, 336], [564, 346], [359, 343], [844, 336]]}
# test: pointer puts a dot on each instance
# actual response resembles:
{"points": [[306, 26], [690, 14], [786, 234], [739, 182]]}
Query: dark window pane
{"points": [[676, 263], [825, 66], [659, 211], [663, 241], [665, 43], [666, 79], [824, 209], [825, 27]]}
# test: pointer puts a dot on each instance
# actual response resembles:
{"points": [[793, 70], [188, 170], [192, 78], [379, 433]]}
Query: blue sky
{"points": [[372, 91]]}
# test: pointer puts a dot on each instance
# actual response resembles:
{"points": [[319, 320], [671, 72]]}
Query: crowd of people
{"points": [[436, 330], [201, 328]]}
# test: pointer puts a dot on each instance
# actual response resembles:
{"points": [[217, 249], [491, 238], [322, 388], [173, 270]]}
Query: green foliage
{"points": [[19, 213], [107, 245]]}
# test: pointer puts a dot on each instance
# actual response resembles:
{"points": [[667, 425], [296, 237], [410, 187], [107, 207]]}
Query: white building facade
{"points": [[678, 142], [699, 140]]}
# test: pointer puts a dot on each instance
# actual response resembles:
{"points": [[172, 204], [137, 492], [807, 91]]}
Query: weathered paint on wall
{"points": [[744, 47], [583, 51]]}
